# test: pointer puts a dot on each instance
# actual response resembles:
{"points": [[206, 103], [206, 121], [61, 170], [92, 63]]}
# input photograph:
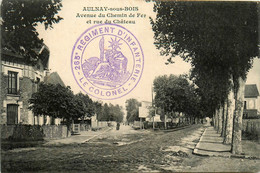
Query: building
{"points": [[53, 78], [251, 107], [144, 112], [19, 80]]}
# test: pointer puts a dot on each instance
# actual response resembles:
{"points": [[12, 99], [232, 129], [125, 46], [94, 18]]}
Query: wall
{"points": [[3, 91], [251, 103], [33, 133], [55, 132], [27, 87], [144, 109]]}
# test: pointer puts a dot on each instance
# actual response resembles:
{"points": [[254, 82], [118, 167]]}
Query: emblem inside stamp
{"points": [[107, 61]]}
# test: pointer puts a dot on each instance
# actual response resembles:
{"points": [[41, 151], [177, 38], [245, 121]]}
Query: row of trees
{"points": [[220, 41], [57, 101], [176, 94], [110, 112]]}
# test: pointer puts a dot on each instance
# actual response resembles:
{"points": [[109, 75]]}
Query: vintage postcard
{"points": [[130, 86]]}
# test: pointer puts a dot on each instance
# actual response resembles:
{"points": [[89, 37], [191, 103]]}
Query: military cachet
{"points": [[107, 61]]}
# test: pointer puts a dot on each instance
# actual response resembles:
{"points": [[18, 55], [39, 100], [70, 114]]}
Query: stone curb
{"points": [[195, 151], [244, 157]]}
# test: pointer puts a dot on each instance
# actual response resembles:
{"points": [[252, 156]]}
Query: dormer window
{"points": [[12, 82]]}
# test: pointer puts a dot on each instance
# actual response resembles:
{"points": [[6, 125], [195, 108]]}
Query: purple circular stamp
{"points": [[107, 61]]}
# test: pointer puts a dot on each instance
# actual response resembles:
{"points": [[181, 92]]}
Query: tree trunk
{"points": [[153, 123], [165, 123], [38, 120], [236, 146], [224, 119], [216, 119], [68, 124], [229, 120], [213, 119], [220, 110], [140, 123]]}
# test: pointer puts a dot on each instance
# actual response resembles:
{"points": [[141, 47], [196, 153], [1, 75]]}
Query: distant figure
{"points": [[117, 126]]}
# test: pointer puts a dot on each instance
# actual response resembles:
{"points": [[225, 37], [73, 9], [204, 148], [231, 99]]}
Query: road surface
{"points": [[125, 150]]}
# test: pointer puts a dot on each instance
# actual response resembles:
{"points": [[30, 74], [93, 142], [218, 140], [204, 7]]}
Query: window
{"points": [[12, 82], [37, 83], [245, 105], [12, 114]]}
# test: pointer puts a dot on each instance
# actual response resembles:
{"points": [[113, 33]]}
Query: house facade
{"points": [[251, 107], [19, 80], [144, 112]]}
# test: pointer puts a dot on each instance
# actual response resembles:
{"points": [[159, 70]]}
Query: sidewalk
{"points": [[84, 136], [211, 144]]}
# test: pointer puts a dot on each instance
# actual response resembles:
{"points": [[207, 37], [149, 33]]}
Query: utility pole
{"points": [[153, 107], [165, 119]]}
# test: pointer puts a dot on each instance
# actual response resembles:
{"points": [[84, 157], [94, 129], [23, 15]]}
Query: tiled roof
{"points": [[251, 90]]}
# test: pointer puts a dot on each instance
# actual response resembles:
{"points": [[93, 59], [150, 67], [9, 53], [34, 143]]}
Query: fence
{"points": [[33, 132], [251, 129]]}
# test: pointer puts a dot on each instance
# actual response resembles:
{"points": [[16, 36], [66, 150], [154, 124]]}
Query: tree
{"points": [[98, 109], [56, 101], [80, 108], [20, 18], [85, 104], [109, 112], [116, 113], [175, 94], [152, 114], [132, 108], [105, 113], [194, 105], [213, 88], [211, 36]]}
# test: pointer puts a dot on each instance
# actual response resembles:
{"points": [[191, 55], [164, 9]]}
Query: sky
{"points": [[63, 36]]}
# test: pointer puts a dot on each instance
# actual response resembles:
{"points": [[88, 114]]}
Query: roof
{"points": [[251, 90], [43, 53], [54, 78]]}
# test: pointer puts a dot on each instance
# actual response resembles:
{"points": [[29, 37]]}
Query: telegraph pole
{"points": [[153, 108]]}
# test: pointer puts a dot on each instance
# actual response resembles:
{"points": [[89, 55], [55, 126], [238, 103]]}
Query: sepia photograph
{"points": [[130, 86]]}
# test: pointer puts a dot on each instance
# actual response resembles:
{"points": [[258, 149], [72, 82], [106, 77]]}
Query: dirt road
{"points": [[125, 150]]}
